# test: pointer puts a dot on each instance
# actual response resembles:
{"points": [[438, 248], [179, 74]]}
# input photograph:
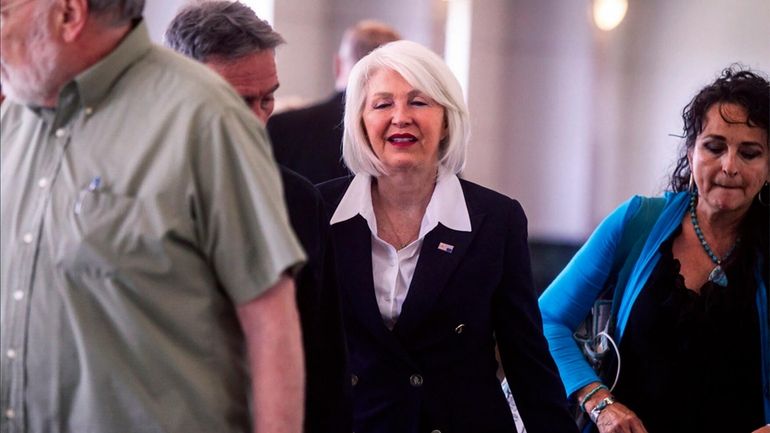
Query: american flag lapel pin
{"points": [[446, 247]]}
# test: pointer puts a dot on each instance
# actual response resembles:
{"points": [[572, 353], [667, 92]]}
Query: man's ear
{"points": [[71, 17]]}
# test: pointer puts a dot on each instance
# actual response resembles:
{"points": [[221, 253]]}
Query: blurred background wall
{"points": [[569, 119]]}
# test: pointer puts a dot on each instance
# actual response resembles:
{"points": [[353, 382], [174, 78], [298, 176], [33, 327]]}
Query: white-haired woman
{"points": [[434, 270]]}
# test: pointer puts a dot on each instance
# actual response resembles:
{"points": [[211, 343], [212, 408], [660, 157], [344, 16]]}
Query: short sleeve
{"points": [[241, 215]]}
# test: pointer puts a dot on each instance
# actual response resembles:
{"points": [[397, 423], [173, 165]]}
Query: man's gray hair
{"points": [[117, 12], [224, 29]]}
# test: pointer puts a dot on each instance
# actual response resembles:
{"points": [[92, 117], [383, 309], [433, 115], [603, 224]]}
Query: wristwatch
{"points": [[594, 414]]}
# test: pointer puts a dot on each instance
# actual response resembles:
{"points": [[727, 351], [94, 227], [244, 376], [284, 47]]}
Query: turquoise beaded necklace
{"points": [[717, 274]]}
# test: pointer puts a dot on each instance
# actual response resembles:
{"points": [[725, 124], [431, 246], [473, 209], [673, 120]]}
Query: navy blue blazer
{"points": [[327, 378], [436, 370]]}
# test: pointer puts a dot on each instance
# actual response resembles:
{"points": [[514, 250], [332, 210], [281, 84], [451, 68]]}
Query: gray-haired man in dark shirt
{"points": [[230, 39]]}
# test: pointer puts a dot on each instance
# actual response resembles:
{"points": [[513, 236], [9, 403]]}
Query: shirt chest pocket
{"points": [[102, 233]]}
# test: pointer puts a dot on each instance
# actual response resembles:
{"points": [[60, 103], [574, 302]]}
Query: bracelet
{"points": [[590, 394], [597, 410]]}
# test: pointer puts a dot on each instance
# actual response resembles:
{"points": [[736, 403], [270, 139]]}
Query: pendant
{"points": [[718, 276]]}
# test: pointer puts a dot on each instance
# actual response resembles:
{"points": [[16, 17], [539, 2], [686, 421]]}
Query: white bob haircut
{"points": [[425, 71]]}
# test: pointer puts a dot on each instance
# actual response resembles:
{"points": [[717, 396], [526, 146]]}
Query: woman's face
{"points": [[730, 160], [404, 126]]}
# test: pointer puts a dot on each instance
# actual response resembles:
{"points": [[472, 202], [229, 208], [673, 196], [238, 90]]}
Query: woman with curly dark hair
{"points": [[690, 277]]}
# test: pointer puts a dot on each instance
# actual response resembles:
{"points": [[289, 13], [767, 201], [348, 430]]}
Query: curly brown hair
{"points": [[735, 85]]}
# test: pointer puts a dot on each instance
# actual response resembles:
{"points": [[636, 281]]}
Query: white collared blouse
{"points": [[392, 270]]}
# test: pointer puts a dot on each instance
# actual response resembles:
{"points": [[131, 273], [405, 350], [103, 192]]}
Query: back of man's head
{"points": [[222, 29], [116, 12], [358, 41], [362, 38]]}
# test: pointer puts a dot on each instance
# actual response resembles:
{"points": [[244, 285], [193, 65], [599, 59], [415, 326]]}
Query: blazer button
{"points": [[459, 330], [415, 380], [353, 379]]}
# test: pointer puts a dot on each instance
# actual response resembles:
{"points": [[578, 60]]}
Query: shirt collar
{"points": [[357, 201], [443, 207], [95, 83], [91, 86]]}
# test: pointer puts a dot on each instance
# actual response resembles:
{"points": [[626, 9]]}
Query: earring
{"points": [[691, 184], [765, 187]]}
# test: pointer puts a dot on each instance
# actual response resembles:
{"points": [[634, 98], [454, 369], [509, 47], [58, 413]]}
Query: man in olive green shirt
{"points": [[145, 249]]}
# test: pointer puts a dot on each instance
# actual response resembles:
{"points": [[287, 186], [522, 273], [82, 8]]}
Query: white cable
{"points": [[617, 354]]}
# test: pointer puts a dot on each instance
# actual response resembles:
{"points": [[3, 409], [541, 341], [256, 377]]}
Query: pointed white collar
{"points": [[444, 206]]}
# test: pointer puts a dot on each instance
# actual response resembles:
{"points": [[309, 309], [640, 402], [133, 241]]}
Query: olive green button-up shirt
{"points": [[134, 217]]}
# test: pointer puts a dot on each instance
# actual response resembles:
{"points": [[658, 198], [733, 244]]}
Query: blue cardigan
{"points": [[568, 300]]}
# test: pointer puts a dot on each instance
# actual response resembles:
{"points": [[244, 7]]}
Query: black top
{"points": [[309, 140], [327, 376], [691, 362]]}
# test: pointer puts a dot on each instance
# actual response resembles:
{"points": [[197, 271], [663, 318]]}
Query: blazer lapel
{"points": [[442, 250], [354, 252]]}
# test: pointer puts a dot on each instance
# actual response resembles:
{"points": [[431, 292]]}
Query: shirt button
{"points": [[42, 182], [415, 380], [353, 379], [435, 431], [61, 132], [10, 353], [460, 328], [9, 413], [28, 238], [89, 111], [18, 295]]}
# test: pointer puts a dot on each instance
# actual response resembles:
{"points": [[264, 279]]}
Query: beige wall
{"points": [[530, 96]]}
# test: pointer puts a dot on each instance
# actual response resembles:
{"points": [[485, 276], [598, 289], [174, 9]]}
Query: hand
{"points": [[617, 418], [765, 429]]}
